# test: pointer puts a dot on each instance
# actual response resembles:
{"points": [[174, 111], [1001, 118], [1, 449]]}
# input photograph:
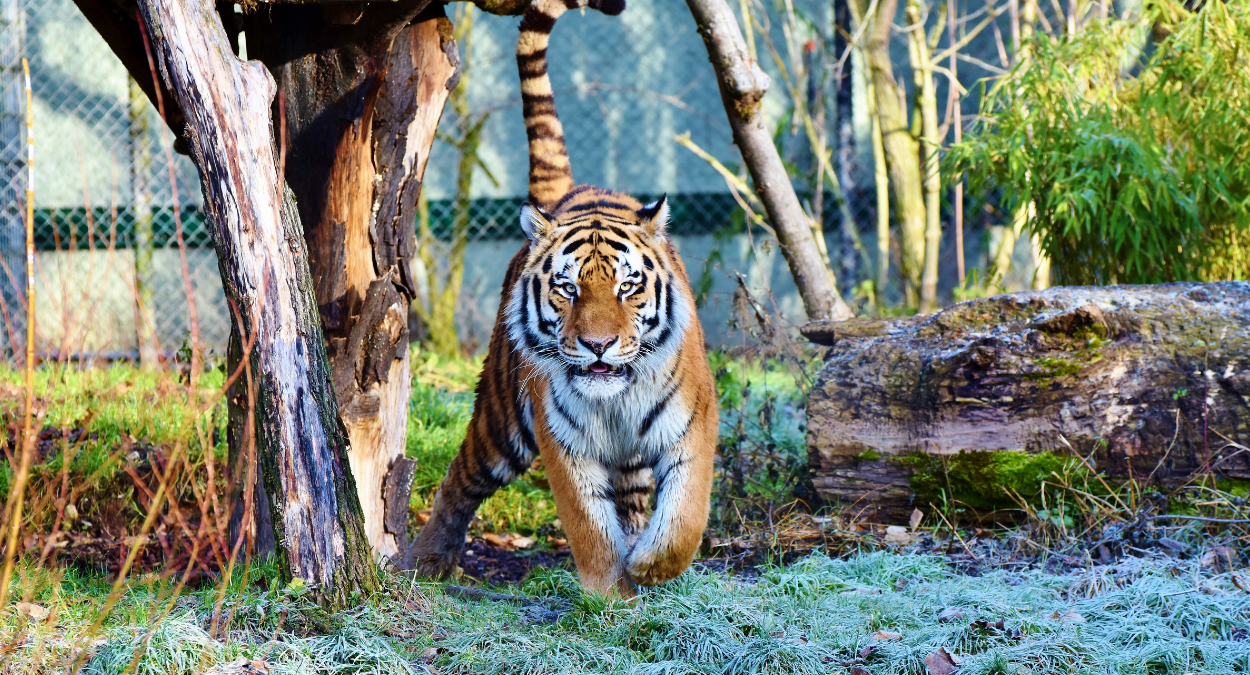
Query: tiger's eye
{"points": [[570, 289], [626, 287]]}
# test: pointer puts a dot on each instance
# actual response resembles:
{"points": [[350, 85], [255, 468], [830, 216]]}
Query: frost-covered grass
{"points": [[876, 611]]}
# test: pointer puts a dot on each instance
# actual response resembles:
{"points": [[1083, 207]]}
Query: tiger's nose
{"points": [[598, 346]]}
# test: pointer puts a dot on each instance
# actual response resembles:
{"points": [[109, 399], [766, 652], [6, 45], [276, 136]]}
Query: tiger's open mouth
{"points": [[600, 369]]}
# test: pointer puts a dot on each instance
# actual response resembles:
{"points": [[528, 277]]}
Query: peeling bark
{"points": [[1147, 379], [263, 262]]}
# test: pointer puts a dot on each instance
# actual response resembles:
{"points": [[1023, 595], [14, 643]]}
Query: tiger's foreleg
{"points": [[683, 482], [583, 491]]}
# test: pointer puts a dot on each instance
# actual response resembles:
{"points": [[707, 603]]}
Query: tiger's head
{"points": [[601, 298]]}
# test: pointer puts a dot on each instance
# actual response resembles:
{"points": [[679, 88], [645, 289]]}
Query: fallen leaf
{"points": [[32, 611], [240, 667], [423, 516], [867, 651], [1070, 616], [559, 541], [1172, 545], [495, 540], [858, 671], [916, 516], [522, 542], [802, 533], [887, 635], [1217, 555], [897, 534], [952, 614], [940, 663], [1241, 582]]}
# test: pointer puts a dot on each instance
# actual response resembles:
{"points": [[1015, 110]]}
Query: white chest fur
{"points": [[646, 419]]}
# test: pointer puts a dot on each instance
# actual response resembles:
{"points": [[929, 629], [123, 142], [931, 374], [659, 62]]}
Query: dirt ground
{"points": [[487, 563]]}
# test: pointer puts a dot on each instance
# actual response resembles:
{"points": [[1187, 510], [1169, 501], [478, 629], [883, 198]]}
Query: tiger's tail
{"points": [[551, 175]]}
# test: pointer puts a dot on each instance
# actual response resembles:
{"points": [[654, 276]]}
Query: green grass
{"points": [[115, 407], [761, 422], [815, 616]]}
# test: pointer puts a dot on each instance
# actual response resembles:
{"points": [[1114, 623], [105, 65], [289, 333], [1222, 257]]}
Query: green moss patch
{"points": [[980, 479]]}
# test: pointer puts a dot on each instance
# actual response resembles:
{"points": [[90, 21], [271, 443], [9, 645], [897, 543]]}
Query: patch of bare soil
{"points": [[486, 562]]}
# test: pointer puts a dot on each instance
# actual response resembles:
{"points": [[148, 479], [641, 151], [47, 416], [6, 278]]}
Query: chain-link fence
{"points": [[625, 86]]}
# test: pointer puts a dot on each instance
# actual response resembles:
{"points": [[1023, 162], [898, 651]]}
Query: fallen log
{"points": [[1149, 382]]}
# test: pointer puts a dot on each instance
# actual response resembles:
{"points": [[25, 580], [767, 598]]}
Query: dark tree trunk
{"points": [[844, 126], [256, 229], [364, 88], [1150, 380]]}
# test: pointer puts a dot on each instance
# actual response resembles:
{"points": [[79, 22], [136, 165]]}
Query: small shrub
{"points": [[1137, 161]]}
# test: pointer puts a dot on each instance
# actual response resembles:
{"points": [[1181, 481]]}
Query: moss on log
{"points": [[1148, 381]]}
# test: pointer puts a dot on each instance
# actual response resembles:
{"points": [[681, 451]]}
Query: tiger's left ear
{"points": [[535, 222], [654, 217]]}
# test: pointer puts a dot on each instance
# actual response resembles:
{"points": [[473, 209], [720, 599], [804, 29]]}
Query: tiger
{"points": [[596, 365]]}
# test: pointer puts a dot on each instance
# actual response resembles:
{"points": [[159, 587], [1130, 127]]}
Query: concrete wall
{"points": [[85, 301]]}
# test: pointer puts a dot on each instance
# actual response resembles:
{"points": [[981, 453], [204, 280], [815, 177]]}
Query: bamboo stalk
{"points": [[141, 208], [882, 180], [926, 105], [17, 494]]}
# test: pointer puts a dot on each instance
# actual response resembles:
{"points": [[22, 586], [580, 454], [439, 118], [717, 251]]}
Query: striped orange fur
{"points": [[597, 364]]}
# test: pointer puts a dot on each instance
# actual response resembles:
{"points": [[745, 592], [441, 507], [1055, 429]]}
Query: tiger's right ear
{"points": [[535, 222]]}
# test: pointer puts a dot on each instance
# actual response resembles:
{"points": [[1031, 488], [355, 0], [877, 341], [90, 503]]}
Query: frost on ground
{"points": [[875, 613]]}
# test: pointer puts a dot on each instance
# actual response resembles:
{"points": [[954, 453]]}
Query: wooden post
{"points": [[364, 88], [742, 87], [263, 262]]}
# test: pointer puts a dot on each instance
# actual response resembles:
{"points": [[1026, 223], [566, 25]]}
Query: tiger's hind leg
{"points": [[436, 551], [492, 455]]}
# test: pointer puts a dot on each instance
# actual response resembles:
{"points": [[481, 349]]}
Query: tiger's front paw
{"points": [[648, 567]]}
